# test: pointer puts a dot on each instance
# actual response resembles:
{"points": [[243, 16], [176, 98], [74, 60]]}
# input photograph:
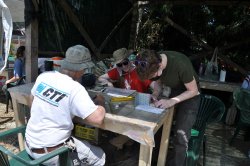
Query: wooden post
{"points": [[19, 116], [145, 156], [165, 138], [1, 38], [31, 48]]}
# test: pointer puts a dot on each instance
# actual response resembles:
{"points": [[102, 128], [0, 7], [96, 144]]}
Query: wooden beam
{"points": [[229, 61], [205, 45], [74, 19], [56, 25], [224, 58], [115, 29], [31, 47], [199, 2], [51, 53], [35, 3], [228, 46]]}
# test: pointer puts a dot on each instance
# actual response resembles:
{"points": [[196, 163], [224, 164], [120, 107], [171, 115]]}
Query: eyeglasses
{"points": [[141, 63], [124, 63]]}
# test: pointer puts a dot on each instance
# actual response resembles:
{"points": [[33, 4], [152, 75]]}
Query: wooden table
{"points": [[137, 125], [218, 85]]}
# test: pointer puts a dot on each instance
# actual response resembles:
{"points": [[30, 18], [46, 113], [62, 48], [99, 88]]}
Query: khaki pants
{"points": [[94, 156]]}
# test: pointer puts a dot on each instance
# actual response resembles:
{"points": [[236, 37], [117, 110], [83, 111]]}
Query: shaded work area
{"points": [[197, 31]]}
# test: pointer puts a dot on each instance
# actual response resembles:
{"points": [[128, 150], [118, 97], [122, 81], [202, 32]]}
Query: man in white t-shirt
{"points": [[57, 98]]}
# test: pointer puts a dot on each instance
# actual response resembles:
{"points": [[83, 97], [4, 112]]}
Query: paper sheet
{"points": [[148, 108], [142, 99]]}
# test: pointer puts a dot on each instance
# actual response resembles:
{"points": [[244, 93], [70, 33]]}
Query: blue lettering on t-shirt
{"points": [[50, 94], [40, 87]]}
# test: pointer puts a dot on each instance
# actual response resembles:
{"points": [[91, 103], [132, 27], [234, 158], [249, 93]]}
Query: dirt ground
{"points": [[7, 122]]}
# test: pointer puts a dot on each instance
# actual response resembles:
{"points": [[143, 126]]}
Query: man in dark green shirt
{"points": [[173, 69]]}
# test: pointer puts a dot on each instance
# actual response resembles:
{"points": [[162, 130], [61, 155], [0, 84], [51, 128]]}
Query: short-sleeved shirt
{"points": [[18, 68], [57, 99], [246, 83], [131, 80], [179, 71]]}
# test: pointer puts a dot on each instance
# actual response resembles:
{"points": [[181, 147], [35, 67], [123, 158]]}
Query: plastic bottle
{"points": [[223, 73]]}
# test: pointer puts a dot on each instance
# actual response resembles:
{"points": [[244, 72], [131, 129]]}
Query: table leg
{"points": [[145, 155], [20, 120], [165, 139]]}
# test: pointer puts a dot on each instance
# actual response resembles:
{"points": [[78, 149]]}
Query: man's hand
{"points": [[165, 103], [7, 82], [99, 100], [110, 84], [153, 98]]}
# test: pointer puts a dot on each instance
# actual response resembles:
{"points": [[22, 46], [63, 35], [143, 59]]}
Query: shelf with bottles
{"points": [[232, 73]]}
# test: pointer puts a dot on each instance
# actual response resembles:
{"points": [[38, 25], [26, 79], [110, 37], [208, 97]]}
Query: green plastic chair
{"points": [[211, 109], [8, 158], [242, 102]]}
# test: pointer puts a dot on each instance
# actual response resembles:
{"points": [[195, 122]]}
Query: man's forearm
{"points": [[185, 95], [13, 79]]}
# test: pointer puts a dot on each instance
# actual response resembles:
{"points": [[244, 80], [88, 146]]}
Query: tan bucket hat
{"points": [[120, 54], [77, 58]]}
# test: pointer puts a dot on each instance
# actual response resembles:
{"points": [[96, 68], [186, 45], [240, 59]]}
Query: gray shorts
{"points": [[86, 152]]}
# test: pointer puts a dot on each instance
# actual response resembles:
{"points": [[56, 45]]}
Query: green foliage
{"points": [[218, 26], [152, 27]]}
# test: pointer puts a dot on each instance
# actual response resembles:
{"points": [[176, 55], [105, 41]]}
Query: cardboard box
{"points": [[87, 132]]}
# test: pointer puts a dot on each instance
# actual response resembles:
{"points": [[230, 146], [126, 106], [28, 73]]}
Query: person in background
{"points": [[173, 69], [124, 75], [246, 82], [57, 97], [19, 69]]}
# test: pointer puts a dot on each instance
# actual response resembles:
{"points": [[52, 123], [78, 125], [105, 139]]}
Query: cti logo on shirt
{"points": [[50, 94]]}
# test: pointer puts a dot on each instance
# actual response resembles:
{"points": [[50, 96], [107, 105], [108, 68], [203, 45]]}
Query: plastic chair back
{"points": [[4, 159], [242, 102], [211, 109]]}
